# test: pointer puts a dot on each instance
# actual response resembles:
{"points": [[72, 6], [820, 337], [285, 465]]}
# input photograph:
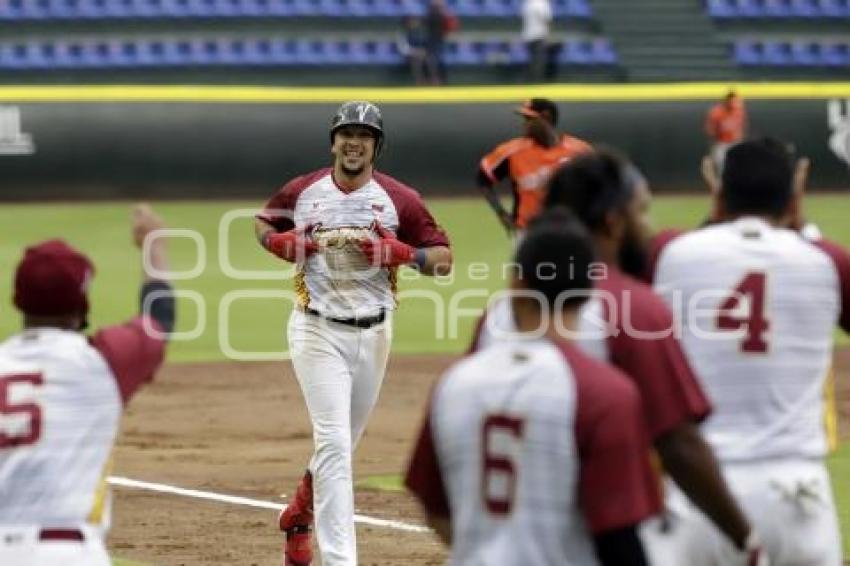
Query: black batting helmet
{"points": [[360, 113]]}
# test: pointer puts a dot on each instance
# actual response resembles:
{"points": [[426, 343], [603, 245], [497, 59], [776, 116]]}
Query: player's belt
{"points": [[357, 322], [61, 534]]}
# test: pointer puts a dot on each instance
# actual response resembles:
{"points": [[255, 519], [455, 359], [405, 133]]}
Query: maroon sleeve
{"points": [[841, 259], [423, 476], [656, 246], [132, 354], [657, 364], [279, 211], [617, 487], [416, 226]]}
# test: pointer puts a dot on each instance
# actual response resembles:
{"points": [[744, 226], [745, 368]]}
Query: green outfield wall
{"points": [[215, 142]]}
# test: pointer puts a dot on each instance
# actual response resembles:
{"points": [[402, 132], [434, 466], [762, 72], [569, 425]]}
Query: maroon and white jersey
{"points": [[530, 448], [61, 398], [338, 281], [626, 324], [757, 307]]}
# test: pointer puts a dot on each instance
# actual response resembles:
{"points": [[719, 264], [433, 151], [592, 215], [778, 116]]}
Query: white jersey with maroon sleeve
{"points": [[61, 399], [757, 307], [627, 325], [338, 281], [531, 448]]}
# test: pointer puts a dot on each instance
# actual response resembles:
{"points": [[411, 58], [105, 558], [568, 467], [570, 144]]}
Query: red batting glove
{"points": [[291, 246], [386, 250]]}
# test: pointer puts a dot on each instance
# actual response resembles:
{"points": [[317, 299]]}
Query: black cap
{"points": [[534, 107], [360, 113]]}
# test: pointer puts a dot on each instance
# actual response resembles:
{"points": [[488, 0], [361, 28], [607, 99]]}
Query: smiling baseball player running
{"points": [[349, 229]]}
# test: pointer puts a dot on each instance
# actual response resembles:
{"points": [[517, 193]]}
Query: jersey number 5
{"points": [[751, 292], [500, 435], [24, 416]]}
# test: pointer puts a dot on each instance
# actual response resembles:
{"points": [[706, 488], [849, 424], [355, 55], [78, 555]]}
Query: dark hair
{"points": [[592, 185], [555, 238], [758, 178]]}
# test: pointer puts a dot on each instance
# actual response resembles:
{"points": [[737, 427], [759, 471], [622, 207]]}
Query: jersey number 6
{"points": [[18, 413], [752, 290], [500, 436]]}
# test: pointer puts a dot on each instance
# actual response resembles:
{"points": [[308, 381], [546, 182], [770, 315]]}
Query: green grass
{"points": [[839, 469], [257, 324], [385, 482]]}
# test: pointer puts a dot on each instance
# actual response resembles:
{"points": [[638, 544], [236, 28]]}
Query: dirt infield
{"points": [[242, 429]]}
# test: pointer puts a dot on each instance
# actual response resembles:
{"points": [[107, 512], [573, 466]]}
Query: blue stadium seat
{"points": [[571, 9], [580, 8], [748, 53], [806, 53], [383, 52], [518, 53], [777, 54], [722, 9], [603, 51], [576, 52], [836, 55], [835, 8], [778, 8], [805, 8], [749, 9], [26, 55], [461, 53]]}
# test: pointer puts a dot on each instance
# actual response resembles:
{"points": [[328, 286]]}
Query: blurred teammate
{"points": [[531, 451], [349, 228], [529, 161], [757, 305], [630, 326], [796, 220], [725, 125], [61, 399]]}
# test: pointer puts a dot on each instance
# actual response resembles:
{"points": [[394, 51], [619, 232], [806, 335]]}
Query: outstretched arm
{"points": [[155, 296]]}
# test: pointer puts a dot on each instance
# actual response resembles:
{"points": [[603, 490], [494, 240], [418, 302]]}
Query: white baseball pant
{"points": [[789, 502], [340, 369], [23, 545]]}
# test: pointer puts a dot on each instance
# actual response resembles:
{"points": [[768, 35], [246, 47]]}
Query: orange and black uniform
{"points": [[529, 165], [726, 123]]}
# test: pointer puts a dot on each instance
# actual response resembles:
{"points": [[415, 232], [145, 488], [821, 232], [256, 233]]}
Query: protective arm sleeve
{"points": [[156, 299]]}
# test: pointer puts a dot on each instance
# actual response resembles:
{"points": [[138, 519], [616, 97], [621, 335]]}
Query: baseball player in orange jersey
{"points": [[725, 125], [61, 399], [757, 305], [532, 452], [529, 161], [349, 228], [628, 325]]}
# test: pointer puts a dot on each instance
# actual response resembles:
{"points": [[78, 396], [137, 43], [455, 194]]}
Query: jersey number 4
{"points": [[500, 436], [24, 417], [749, 293]]}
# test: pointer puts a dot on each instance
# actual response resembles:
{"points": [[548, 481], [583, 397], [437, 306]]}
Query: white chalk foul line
{"points": [[198, 494]]}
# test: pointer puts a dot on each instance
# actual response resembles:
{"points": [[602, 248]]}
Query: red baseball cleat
{"points": [[297, 551], [295, 521]]}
